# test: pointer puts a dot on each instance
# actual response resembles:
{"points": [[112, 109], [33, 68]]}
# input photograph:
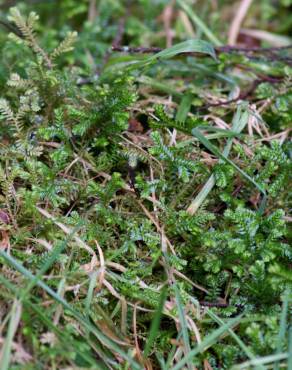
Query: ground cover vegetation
{"points": [[145, 177]]}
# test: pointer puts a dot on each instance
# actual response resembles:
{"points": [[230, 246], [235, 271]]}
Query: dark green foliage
{"points": [[96, 231]]}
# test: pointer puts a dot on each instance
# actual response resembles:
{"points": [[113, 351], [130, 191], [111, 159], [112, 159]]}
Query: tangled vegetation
{"points": [[145, 191]]}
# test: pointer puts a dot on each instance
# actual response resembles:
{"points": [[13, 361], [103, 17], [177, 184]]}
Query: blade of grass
{"points": [[77, 315], [261, 361], [224, 132], [184, 108], [184, 143], [179, 305], [92, 285], [238, 123], [215, 151], [49, 262], [182, 319], [15, 316], [207, 342], [283, 327], [64, 338], [245, 349], [188, 46], [199, 23], [289, 367], [231, 332], [161, 361], [155, 324], [209, 72]]}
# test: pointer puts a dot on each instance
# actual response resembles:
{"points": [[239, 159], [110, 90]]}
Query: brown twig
{"points": [[253, 53], [229, 48], [117, 40], [219, 49], [138, 49], [10, 27], [213, 304]]}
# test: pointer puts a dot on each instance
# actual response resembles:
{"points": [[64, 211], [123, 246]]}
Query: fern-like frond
{"points": [[65, 46], [135, 154], [26, 26], [28, 103], [20, 83], [163, 121], [6, 110]]}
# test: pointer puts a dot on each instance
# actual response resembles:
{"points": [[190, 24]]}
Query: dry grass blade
{"points": [[206, 342], [6, 352], [241, 12], [69, 231], [239, 122]]}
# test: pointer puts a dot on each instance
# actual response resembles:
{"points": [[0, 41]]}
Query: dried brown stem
{"points": [[219, 49]]}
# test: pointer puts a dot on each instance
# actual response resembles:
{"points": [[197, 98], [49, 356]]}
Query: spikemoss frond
{"points": [[6, 110], [65, 46], [20, 83], [26, 26]]}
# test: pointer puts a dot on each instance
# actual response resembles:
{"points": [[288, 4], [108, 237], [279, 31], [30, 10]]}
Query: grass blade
{"points": [[290, 349], [261, 361], [224, 132], [189, 46], [182, 319], [184, 108], [63, 336], [79, 317], [92, 285], [180, 308], [155, 322], [207, 342], [239, 122], [245, 349], [48, 263], [231, 332], [12, 327], [199, 23], [283, 327], [215, 151]]}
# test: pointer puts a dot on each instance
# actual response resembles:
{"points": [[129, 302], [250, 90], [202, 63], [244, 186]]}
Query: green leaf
{"points": [[283, 327], [189, 46], [199, 23], [183, 322], [77, 315], [290, 349], [184, 108], [215, 151], [238, 123], [155, 322], [207, 342], [261, 361], [64, 337], [15, 315], [245, 349]]}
